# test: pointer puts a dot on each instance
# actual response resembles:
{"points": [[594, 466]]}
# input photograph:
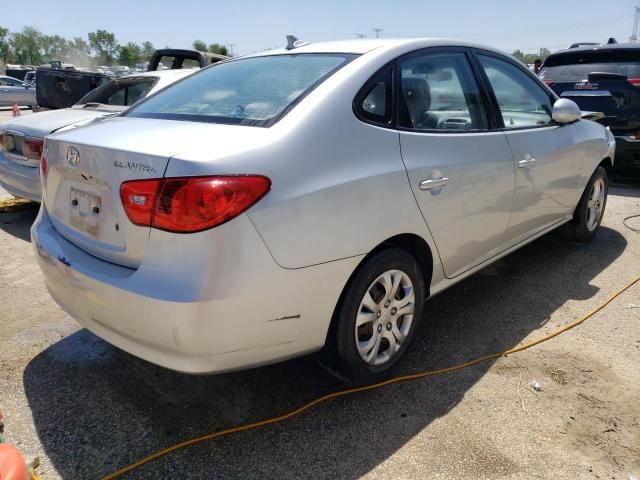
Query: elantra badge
{"points": [[586, 86], [73, 156]]}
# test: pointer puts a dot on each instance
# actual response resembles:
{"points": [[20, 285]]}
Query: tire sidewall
{"points": [[583, 231], [350, 362]]}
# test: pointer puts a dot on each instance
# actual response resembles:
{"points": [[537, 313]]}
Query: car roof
{"points": [[599, 48], [365, 45]]}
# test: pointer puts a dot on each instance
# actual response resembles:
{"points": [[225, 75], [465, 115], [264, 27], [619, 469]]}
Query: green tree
{"points": [[130, 54], [542, 54], [199, 45], [54, 47], [5, 50], [25, 46], [219, 49], [105, 45], [147, 50], [519, 55], [78, 52]]}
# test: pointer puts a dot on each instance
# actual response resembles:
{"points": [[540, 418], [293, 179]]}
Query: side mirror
{"points": [[566, 111]]}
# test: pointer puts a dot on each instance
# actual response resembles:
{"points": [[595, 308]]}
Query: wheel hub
{"points": [[385, 317]]}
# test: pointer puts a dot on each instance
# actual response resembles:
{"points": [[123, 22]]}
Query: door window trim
{"points": [[494, 122], [475, 53]]}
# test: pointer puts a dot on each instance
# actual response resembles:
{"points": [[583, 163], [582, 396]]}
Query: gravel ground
{"points": [[87, 408]]}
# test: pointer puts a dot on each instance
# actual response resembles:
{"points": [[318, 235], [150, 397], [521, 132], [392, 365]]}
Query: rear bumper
{"points": [[20, 180], [627, 154], [223, 312]]}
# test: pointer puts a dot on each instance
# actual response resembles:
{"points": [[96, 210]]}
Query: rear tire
{"points": [[375, 322], [590, 210]]}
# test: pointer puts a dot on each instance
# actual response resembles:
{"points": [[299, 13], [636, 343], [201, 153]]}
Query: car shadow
{"points": [[18, 221], [96, 408]]}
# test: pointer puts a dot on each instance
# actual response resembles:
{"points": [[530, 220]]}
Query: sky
{"points": [[253, 25]]}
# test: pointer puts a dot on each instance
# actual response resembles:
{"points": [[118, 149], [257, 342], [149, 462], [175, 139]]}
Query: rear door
{"points": [[603, 80], [460, 170], [548, 157]]}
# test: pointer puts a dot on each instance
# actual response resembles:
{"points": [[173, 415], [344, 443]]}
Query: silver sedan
{"points": [[16, 91], [310, 200]]}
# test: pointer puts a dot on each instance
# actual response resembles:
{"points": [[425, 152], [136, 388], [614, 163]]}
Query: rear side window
{"points": [[522, 101], [576, 66], [249, 91], [373, 103], [124, 92]]}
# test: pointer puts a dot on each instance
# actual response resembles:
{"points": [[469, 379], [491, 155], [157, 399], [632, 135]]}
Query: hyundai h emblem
{"points": [[73, 156]]}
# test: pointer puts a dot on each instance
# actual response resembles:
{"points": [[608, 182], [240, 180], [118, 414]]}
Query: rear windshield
{"points": [[576, 66], [121, 92], [251, 91]]}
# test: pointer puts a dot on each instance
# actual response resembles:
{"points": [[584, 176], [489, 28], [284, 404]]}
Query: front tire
{"points": [[377, 317], [590, 210]]}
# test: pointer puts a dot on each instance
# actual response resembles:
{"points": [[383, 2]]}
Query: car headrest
{"points": [[416, 92]]}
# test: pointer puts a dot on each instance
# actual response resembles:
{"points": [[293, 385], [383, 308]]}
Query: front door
{"points": [[461, 172], [547, 156]]}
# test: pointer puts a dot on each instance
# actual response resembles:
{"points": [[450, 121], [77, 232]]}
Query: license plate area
{"points": [[84, 211]]}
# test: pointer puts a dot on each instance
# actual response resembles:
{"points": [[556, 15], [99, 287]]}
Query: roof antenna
{"points": [[293, 42], [611, 41]]}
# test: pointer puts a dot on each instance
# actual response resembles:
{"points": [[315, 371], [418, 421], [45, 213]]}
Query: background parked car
{"points": [[603, 78], [21, 138], [13, 91]]}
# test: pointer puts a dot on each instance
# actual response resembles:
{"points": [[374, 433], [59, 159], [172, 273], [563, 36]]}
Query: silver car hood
{"points": [[43, 123]]}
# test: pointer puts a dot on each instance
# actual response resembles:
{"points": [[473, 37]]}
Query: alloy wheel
{"points": [[384, 317], [595, 204]]}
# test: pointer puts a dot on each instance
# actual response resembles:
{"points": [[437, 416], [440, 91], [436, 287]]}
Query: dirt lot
{"points": [[87, 408]]}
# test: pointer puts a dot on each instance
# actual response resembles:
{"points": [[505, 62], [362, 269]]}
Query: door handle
{"points": [[434, 183], [527, 163]]}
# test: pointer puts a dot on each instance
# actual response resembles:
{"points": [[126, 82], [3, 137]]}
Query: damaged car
{"points": [[310, 199], [22, 138]]}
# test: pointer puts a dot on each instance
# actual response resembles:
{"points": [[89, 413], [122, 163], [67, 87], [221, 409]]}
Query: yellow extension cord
{"points": [[349, 391]]}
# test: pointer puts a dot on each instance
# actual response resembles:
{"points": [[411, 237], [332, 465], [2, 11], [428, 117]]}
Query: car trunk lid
{"points": [[612, 94], [85, 168], [18, 130], [601, 79]]}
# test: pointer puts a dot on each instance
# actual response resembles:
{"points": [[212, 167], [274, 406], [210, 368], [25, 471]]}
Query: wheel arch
{"points": [[607, 164], [410, 242]]}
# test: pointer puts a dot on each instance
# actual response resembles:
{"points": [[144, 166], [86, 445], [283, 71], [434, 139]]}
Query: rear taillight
{"points": [[32, 147], [43, 169], [191, 204], [634, 81], [549, 82]]}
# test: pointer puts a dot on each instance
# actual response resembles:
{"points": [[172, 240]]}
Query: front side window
{"points": [[248, 91], [10, 82], [522, 101], [123, 92], [439, 92]]}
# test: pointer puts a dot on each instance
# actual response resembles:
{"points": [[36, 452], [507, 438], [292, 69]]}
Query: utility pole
{"points": [[634, 33], [230, 47], [377, 31]]}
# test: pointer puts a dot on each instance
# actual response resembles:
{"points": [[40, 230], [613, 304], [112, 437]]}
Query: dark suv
{"points": [[603, 78]]}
